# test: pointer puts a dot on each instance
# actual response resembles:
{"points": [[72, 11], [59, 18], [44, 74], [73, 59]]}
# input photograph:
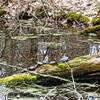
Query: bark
{"points": [[82, 68]]}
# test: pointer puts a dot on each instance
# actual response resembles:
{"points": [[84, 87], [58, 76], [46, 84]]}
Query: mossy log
{"points": [[84, 68], [91, 30], [80, 67], [96, 21]]}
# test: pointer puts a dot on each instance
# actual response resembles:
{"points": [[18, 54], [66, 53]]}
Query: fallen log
{"points": [[84, 67]]}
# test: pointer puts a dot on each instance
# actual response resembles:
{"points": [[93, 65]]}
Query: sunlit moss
{"points": [[21, 79], [96, 21], [76, 62], [71, 17], [62, 65], [84, 19], [74, 17], [90, 30]]}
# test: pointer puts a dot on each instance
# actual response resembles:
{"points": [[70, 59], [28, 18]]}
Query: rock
{"points": [[18, 96]]}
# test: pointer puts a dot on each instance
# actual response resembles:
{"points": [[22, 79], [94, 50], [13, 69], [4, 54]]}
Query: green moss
{"points": [[84, 19], [79, 61], [71, 17], [61, 65], [74, 17], [83, 64], [96, 21], [21, 79], [41, 12], [76, 62], [90, 30]]}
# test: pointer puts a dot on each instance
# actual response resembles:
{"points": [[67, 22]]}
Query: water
{"points": [[46, 48], [24, 98], [3, 96], [28, 51], [3, 92], [93, 96]]}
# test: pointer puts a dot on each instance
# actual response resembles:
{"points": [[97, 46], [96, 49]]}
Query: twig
{"points": [[49, 93], [50, 76]]}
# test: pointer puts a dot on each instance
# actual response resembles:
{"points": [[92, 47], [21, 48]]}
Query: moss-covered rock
{"points": [[21, 79], [94, 29], [96, 21]]}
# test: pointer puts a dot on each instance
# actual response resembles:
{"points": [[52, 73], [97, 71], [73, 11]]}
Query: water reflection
{"points": [[28, 50], [64, 58], [3, 93], [93, 50]]}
